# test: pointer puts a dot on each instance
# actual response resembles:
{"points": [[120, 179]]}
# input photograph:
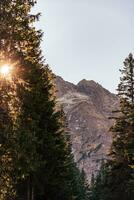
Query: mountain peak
{"points": [[84, 81], [87, 106]]}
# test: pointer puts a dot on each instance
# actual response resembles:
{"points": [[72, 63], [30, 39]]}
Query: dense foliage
{"points": [[35, 154]]}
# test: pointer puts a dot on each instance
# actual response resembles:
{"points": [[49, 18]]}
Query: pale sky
{"points": [[87, 39]]}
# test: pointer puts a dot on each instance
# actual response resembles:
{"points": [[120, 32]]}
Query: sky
{"points": [[87, 39]]}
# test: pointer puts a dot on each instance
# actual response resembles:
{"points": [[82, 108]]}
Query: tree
{"points": [[40, 149], [99, 189], [122, 150], [120, 170]]}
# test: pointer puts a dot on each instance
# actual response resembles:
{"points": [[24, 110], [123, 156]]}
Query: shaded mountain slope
{"points": [[87, 106]]}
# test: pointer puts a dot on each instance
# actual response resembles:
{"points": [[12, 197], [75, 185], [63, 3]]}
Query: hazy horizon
{"points": [[87, 39]]}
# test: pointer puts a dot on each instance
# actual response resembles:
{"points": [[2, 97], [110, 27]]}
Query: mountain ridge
{"points": [[87, 106]]}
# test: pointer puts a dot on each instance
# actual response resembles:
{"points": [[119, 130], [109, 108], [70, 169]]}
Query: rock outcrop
{"points": [[88, 107]]}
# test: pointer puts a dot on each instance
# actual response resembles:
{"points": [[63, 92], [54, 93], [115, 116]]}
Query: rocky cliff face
{"points": [[87, 106]]}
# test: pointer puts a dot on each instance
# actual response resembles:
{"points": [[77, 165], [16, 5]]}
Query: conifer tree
{"points": [[42, 163], [120, 168], [99, 189], [122, 150]]}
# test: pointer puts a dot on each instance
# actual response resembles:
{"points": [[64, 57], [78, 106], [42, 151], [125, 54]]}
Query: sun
{"points": [[5, 70]]}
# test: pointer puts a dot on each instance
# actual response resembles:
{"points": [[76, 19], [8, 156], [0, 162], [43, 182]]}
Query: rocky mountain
{"points": [[88, 106]]}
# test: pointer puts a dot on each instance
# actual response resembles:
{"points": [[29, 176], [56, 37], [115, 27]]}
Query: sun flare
{"points": [[5, 70]]}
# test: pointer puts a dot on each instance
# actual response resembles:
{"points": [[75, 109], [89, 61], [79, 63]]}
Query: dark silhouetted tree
{"points": [[42, 163]]}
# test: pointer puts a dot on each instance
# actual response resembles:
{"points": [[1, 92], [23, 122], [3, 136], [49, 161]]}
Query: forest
{"points": [[36, 160]]}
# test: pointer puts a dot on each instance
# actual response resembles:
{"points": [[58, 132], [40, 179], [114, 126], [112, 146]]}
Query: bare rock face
{"points": [[88, 106]]}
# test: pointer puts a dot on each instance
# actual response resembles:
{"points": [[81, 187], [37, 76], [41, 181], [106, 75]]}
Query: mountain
{"points": [[88, 107]]}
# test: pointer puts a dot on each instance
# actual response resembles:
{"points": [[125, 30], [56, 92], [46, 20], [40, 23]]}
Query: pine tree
{"points": [[99, 189], [119, 181], [42, 163], [123, 144]]}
